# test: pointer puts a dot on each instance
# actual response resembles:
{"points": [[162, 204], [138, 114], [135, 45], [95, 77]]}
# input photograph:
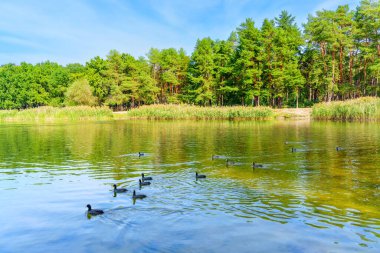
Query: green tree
{"points": [[96, 72], [224, 52], [201, 73], [80, 93], [248, 62]]}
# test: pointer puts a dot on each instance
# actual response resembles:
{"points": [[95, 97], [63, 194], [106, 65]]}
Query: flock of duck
{"points": [[144, 181]]}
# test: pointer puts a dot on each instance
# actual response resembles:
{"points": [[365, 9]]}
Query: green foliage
{"points": [[337, 57], [168, 68], [48, 113], [80, 93], [248, 60], [365, 108], [201, 72], [198, 112]]}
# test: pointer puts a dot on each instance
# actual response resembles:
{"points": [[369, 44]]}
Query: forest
{"points": [[334, 56]]}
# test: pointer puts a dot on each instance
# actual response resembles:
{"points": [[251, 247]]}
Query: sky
{"points": [[74, 31]]}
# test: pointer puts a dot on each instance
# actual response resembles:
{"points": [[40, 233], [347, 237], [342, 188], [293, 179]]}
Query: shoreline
{"points": [[279, 114], [361, 110], [293, 113]]}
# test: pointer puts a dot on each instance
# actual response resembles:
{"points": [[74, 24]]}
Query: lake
{"points": [[316, 199]]}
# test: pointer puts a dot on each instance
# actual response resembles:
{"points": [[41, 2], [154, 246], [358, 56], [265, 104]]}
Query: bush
{"points": [[365, 108], [198, 112]]}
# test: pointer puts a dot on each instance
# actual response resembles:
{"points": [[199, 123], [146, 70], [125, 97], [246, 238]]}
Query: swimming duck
{"points": [[256, 165], [144, 178], [143, 183], [141, 154], [94, 211], [339, 148], [229, 162], [216, 157], [120, 190], [199, 176], [294, 150], [138, 196]]}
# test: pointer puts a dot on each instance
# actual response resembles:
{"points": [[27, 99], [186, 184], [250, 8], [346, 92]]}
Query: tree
{"points": [[248, 60], [80, 93], [201, 73], [336, 57], [97, 74], [168, 68], [367, 41], [224, 52]]}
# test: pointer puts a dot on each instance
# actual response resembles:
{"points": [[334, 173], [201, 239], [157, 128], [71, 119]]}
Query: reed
{"points": [[198, 112], [48, 113], [365, 108]]}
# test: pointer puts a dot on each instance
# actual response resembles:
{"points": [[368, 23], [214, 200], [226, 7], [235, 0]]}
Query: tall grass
{"points": [[365, 108], [47, 114], [198, 112]]}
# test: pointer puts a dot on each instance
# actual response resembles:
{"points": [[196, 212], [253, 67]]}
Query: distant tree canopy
{"points": [[336, 57]]}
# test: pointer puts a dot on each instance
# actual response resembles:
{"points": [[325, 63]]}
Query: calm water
{"points": [[314, 200]]}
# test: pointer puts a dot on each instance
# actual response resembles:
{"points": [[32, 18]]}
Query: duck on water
{"points": [[94, 211], [118, 190], [144, 178], [138, 196], [142, 183], [199, 176]]}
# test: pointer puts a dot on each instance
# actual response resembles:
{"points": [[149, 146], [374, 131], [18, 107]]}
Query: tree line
{"points": [[335, 57]]}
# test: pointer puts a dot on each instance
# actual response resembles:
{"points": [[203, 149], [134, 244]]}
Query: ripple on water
{"points": [[311, 201]]}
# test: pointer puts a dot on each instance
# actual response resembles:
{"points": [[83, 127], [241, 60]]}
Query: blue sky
{"points": [[68, 31]]}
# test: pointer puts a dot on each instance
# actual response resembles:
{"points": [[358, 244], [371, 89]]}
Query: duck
{"points": [[216, 157], [138, 196], [229, 162], [120, 190], [141, 154], [143, 183], [339, 148], [144, 178], [256, 165], [294, 150], [94, 211], [199, 176]]}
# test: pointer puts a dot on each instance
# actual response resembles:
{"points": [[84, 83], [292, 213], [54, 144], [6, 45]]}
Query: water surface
{"points": [[314, 200]]}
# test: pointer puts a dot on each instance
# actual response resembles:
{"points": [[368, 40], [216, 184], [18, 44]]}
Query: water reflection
{"points": [[332, 197]]}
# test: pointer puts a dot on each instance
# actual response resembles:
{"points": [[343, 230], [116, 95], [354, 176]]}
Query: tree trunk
{"points": [[341, 65], [351, 63], [162, 94], [365, 76], [310, 91], [133, 102]]}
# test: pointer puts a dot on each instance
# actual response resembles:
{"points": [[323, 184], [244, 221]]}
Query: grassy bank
{"points": [[48, 114], [366, 108], [197, 112]]}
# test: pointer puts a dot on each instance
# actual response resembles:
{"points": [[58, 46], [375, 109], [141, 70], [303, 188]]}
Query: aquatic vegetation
{"points": [[198, 112], [48, 113], [366, 108]]}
